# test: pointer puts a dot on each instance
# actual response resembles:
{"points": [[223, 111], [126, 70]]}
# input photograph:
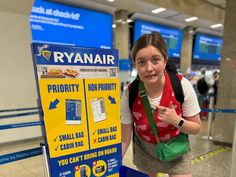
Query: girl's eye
{"points": [[155, 60], [141, 62]]}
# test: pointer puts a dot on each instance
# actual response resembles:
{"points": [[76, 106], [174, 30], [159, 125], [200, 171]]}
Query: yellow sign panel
{"points": [[63, 102], [103, 100], [61, 97]]}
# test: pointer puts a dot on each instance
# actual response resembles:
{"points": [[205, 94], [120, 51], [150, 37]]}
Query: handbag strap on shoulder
{"points": [[143, 94]]}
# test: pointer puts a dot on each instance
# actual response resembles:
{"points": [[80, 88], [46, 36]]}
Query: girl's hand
{"points": [[167, 115]]}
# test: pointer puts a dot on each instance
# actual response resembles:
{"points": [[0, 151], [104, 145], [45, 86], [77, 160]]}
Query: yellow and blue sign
{"points": [[81, 115]]}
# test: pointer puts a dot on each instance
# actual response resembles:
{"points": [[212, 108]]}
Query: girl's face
{"points": [[150, 64]]}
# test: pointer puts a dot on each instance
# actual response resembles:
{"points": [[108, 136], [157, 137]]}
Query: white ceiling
{"points": [[142, 10], [220, 3], [138, 9], [19, 6]]}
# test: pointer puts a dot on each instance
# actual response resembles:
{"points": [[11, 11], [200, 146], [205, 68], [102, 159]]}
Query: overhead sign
{"points": [[172, 36], [80, 98], [207, 47], [57, 23]]}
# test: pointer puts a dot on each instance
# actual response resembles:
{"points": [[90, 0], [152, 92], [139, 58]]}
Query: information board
{"points": [[172, 36], [80, 97], [62, 24], [207, 47]]}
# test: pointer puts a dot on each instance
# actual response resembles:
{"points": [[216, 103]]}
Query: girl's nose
{"points": [[149, 66]]}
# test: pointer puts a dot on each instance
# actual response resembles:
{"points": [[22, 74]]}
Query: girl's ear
{"points": [[165, 62]]}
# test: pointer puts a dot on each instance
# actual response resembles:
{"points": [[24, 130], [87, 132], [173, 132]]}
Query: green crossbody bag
{"points": [[168, 150]]}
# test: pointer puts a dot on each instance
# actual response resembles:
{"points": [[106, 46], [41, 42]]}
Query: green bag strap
{"points": [[143, 94]]}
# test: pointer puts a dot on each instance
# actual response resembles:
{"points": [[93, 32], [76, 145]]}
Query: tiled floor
{"points": [[30, 167], [215, 164]]}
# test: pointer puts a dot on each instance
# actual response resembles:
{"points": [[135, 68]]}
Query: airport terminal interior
{"points": [[200, 37], [208, 159]]}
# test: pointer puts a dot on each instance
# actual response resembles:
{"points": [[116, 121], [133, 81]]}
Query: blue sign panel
{"points": [[60, 24], [172, 36], [86, 163], [73, 111], [125, 64], [62, 55], [207, 47]]}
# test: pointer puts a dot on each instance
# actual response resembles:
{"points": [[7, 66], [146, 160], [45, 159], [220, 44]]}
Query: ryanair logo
{"points": [[47, 54], [42, 51], [87, 58]]}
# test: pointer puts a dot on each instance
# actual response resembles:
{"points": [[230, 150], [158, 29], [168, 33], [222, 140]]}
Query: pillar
{"points": [[186, 50], [122, 40], [223, 126]]}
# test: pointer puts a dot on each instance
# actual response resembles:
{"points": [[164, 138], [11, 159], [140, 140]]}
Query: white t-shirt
{"points": [[190, 106]]}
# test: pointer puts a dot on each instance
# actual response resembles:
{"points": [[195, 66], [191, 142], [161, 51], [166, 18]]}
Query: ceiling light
{"points": [[129, 20], [113, 25], [191, 19], [190, 31], [110, 0], [118, 21], [158, 10], [216, 25]]}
